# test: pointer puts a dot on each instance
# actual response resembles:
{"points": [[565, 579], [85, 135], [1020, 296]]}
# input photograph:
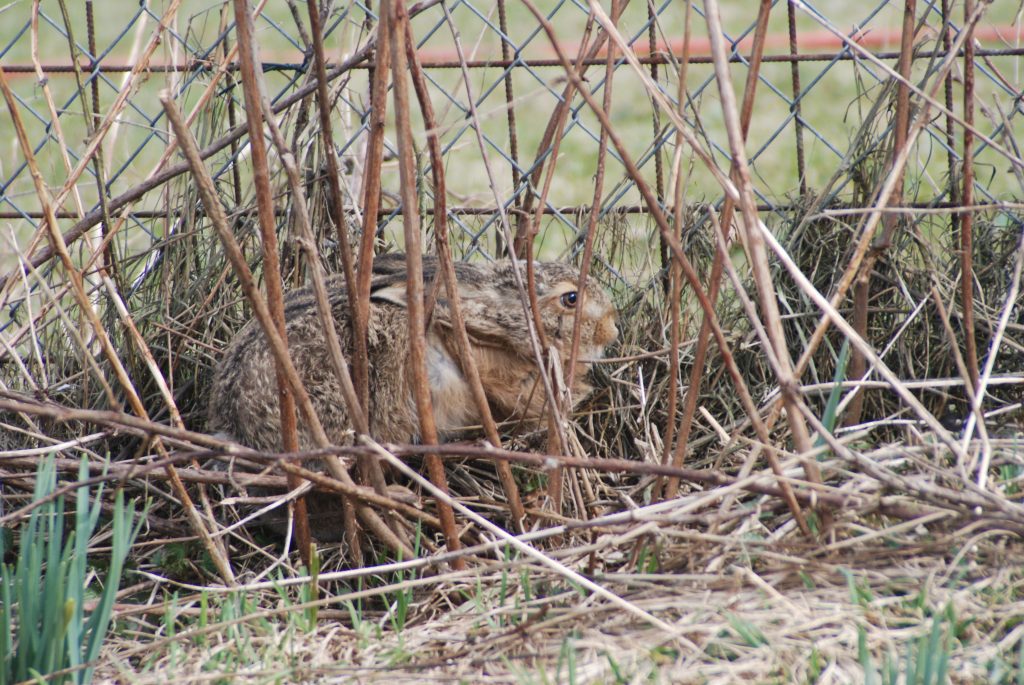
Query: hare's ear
{"points": [[481, 332], [395, 294]]}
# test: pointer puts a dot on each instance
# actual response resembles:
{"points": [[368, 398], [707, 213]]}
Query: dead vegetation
{"points": [[820, 483]]}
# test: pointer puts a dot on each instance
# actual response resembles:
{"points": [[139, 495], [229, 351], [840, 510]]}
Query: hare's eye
{"points": [[569, 299]]}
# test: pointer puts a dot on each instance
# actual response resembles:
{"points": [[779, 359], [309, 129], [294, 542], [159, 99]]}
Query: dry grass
{"points": [[912, 552], [744, 608]]}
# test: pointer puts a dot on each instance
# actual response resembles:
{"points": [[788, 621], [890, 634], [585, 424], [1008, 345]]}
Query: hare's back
{"points": [[244, 400]]}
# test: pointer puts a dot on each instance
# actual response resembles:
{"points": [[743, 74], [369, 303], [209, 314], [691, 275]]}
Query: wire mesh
{"points": [[823, 113], [193, 43]]}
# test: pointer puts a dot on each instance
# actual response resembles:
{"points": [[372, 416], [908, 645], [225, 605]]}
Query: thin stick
{"points": [[397, 37], [371, 202], [333, 172], [106, 260], [890, 222], [534, 332], [307, 243], [513, 137], [595, 211], [44, 86], [976, 416], [556, 437], [271, 266], [555, 124], [967, 197], [675, 282], [466, 360], [794, 75], [748, 306]]}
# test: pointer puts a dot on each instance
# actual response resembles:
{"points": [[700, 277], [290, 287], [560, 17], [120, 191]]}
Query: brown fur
{"points": [[244, 404], [243, 400]]}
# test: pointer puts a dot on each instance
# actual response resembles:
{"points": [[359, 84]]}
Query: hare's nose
{"points": [[610, 332]]}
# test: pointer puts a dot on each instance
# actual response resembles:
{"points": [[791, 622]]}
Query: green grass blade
{"points": [[77, 568], [864, 657], [45, 593], [6, 657], [829, 417], [125, 528]]}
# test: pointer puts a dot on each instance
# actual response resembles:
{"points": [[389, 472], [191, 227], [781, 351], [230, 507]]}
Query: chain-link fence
{"points": [[825, 66], [890, 124]]}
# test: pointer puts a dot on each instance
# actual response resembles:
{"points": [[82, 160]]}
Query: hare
{"points": [[244, 402]]}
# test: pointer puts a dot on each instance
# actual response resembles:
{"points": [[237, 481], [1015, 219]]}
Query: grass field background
{"points": [[834, 105]]}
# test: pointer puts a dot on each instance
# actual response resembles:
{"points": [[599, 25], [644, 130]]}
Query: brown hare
{"points": [[244, 402]]}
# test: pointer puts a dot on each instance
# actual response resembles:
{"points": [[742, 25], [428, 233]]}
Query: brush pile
{"points": [[803, 458]]}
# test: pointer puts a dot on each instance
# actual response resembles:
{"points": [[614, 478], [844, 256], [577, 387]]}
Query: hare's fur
{"points": [[244, 403]]}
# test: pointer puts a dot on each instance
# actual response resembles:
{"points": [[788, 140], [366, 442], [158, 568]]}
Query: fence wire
{"points": [[823, 107]]}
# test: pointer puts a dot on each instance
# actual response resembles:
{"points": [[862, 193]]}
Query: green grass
{"points": [[44, 593], [924, 660]]}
